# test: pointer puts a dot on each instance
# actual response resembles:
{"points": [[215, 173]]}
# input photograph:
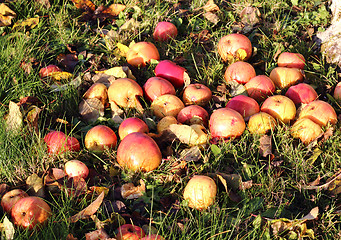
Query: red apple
{"points": [[165, 31], [280, 107], [319, 112], [138, 151], [291, 60], [193, 114], [260, 87], [130, 125], [99, 138], [246, 106], [306, 130], [99, 91], [10, 198], [73, 144], [196, 93], [301, 93], [261, 123], [167, 105], [153, 237], [129, 232], [337, 92], [284, 77], [241, 72], [30, 211], [157, 86], [142, 53], [172, 72], [234, 46], [226, 123], [58, 142], [76, 168], [48, 70]]}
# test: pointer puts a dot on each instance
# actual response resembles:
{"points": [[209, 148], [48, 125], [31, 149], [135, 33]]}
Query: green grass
{"points": [[276, 190]]}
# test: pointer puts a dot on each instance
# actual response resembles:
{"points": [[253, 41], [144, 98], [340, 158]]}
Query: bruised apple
{"points": [[48, 70], [261, 123], [165, 122], [280, 107], [306, 130], [167, 105], [319, 112], [165, 31], [200, 192], [138, 151], [76, 168], [97, 90], [301, 93], [284, 77], [193, 114], [99, 138], [196, 93], [30, 211], [130, 125], [241, 72], [246, 106], [260, 87], [10, 198], [142, 53], [129, 232], [291, 60], [234, 46], [172, 72], [58, 142], [157, 86]]}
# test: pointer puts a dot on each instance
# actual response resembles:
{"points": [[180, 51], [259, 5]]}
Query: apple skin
{"points": [[30, 211], [301, 93], [193, 114], [280, 107], [48, 70], [260, 87], [153, 237], [58, 142], [241, 72], [172, 72], [76, 168], [164, 31], [226, 123], [291, 60], [246, 106], [200, 192], [167, 105], [99, 138], [129, 232], [261, 123], [319, 112], [130, 125], [197, 93], [284, 77], [337, 92], [157, 86], [99, 91], [138, 151], [229, 45], [141, 53], [306, 130], [10, 198]]}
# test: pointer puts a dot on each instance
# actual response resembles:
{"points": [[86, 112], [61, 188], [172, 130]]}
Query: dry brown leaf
{"points": [[192, 154], [14, 119], [232, 181], [99, 190], [265, 147], [84, 4], [89, 210], [210, 6], [71, 237], [32, 118], [8, 229], [107, 80], [212, 17], [46, 3], [130, 191], [6, 15], [54, 180], [97, 234], [116, 113], [35, 186], [91, 109], [333, 184], [250, 16], [115, 9], [118, 72], [191, 135], [76, 186]]}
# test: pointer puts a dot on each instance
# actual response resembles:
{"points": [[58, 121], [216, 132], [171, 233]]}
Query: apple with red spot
{"points": [[76, 168], [165, 31]]}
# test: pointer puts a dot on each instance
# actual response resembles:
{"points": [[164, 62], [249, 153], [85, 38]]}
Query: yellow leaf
{"points": [[14, 119], [123, 49], [115, 9], [35, 185], [28, 23], [241, 54], [58, 76], [211, 6], [6, 15], [84, 4]]}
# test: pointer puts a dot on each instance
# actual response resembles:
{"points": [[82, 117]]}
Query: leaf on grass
{"points": [[32, 118], [210, 6], [212, 17], [89, 210], [6, 15], [26, 24], [237, 89], [91, 109], [71, 237], [76, 186], [8, 229], [14, 119], [98, 190], [130, 191], [97, 234], [328, 133], [35, 186], [116, 113], [333, 184], [84, 4], [187, 79], [68, 61], [107, 80], [115, 9], [215, 150], [191, 135], [119, 72], [230, 181], [191, 155], [121, 49], [74, 83], [60, 76], [130, 25], [314, 157], [313, 214], [54, 180], [265, 147], [250, 16]]}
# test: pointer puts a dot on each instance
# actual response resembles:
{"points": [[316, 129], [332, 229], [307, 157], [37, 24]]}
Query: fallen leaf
{"points": [[46, 3], [35, 186], [192, 154], [116, 113], [8, 229], [265, 147], [118, 72], [130, 191], [60, 76], [32, 118], [313, 214], [317, 152], [26, 24], [130, 25], [250, 16], [68, 61], [210, 6], [76, 82], [89, 210], [236, 89], [122, 49], [98, 190], [191, 135], [115, 9], [97, 234], [107, 80], [212, 17], [14, 119], [333, 184], [54, 181], [76, 186], [85, 5], [246, 185], [71, 237], [6, 15], [91, 109]]}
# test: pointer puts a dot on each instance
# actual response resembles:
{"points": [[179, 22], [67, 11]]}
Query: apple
{"points": [[280, 107], [99, 138], [200, 192], [124, 92], [129, 232], [306, 130], [73, 144], [142, 53], [48, 70], [130, 125], [138, 151], [193, 114], [260, 123], [58, 142], [30, 211], [196, 93], [167, 105], [234, 46], [99, 91], [10, 198], [241, 72], [291, 60], [301, 93], [172, 72], [319, 112], [337, 92], [153, 237], [165, 122], [260, 87], [245, 105], [226, 123], [76, 168], [165, 31], [157, 86], [284, 77]]}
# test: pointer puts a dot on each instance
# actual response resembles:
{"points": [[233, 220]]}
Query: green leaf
{"points": [[215, 150]]}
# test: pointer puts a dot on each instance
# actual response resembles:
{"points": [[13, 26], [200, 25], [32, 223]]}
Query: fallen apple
{"points": [[337, 92], [142, 53], [193, 114], [291, 60], [234, 46], [319, 112], [306, 130], [48, 70], [261, 123], [246, 106], [157, 86], [99, 91], [241, 72], [167, 105], [129, 232], [301, 93], [76, 168], [280, 107], [58, 142], [100, 138], [284, 77], [172, 72], [165, 31], [260, 87], [130, 125], [196, 93], [10, 198]]}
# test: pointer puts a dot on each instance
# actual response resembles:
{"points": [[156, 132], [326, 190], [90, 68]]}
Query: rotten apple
{"points": [[235, 46], [142, 53], [167, 105], [99, 138], [132, 124]]}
